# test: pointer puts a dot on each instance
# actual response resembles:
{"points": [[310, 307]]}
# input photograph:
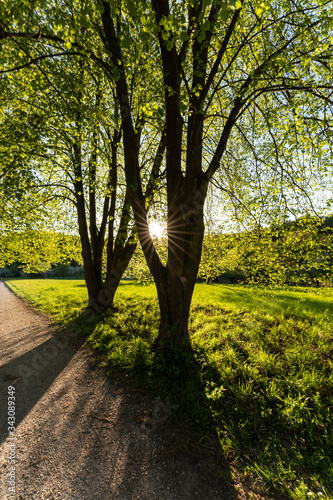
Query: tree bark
{"points": [[175, 282], [174, 296], [104, 296]]}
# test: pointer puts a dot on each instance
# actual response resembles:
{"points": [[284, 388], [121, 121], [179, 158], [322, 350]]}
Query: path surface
{"points": [[83, 435]]}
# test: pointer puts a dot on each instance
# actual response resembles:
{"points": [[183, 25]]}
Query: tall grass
{"points": [[262, 371]]}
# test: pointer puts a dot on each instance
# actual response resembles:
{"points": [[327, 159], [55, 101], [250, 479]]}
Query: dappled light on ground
{"points": [[258, 381], [82, 435]]}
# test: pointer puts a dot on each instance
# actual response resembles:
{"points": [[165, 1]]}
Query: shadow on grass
{"points": [[110, 428], [316, 305], [276, 300], [270, 390], [107, 437]]}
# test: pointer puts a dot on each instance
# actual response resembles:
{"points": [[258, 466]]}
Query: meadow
{"points": [[261, 373]]}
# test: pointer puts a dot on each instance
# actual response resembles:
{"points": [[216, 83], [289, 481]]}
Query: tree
{"points": [[200, 62], [77, 158], [225, 58], [20, 203], [37, 251], [294, 252], [215, 249]]}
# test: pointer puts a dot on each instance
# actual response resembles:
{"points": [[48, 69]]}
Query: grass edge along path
{"points": [[265, 360]]}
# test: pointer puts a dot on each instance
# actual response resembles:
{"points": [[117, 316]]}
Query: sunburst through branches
{"points": [[157, 229]]}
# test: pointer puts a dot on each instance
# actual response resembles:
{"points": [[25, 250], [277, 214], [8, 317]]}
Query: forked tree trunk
{"points": [[187, 189], [101, 294], [119, 250], [185, 192], [101, 297]]}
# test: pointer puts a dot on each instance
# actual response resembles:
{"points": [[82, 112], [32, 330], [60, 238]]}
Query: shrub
{"points": [[61, 271]]}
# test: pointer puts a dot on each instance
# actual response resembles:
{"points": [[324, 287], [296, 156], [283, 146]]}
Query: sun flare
{"points": [[157, 229]]}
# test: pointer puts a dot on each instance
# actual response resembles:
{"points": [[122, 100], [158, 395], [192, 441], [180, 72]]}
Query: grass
{"points": [[263, 371]]}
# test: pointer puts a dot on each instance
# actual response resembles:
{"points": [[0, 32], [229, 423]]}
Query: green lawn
{"points": [[262, 374], [49, 294]]}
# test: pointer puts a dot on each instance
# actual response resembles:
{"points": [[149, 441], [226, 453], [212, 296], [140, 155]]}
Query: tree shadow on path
{"points": [[82, 435], [33, 372]]}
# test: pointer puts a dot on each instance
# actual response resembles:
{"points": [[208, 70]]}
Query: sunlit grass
{"points": [[63, 299], [265, 358], [305, 301], [269, 380]]}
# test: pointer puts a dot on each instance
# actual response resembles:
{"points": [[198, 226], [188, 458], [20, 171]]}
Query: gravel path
{"points": [[82, 435]]}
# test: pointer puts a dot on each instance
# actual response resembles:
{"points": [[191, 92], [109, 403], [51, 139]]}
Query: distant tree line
{"points": [[297, 252], [35, 253]]}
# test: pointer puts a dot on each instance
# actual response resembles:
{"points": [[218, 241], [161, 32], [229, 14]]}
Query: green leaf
{"points": [[206, 25], [126, 42], [184, 36]]}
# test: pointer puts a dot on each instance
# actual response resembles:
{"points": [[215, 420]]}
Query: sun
{"points": [[156, 229]]}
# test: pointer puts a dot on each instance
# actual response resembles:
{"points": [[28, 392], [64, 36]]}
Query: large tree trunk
{"points": [[175, 282], [174, 296]]}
